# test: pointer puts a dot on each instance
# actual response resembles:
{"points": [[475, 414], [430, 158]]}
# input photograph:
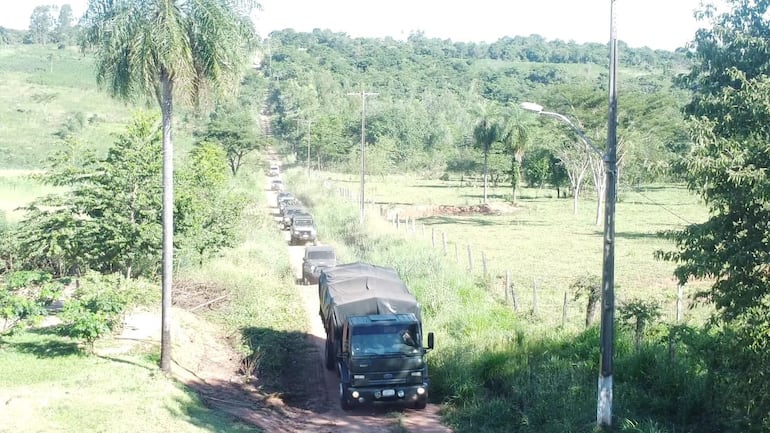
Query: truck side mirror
{"points": [[431, 339]]}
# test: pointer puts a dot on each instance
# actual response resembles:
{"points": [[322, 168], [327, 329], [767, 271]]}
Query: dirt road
{"points": [[367, 419]]}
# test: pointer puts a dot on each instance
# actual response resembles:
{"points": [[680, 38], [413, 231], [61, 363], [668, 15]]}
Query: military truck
{"points": [[373, 336]]}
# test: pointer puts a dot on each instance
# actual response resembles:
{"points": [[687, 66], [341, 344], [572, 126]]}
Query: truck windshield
{"points": [[303, 223], [384, 341], [320, 255]]}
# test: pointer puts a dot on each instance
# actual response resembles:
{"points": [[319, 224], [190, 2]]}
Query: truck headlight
{"points": [[359, 377], [417, 373]]}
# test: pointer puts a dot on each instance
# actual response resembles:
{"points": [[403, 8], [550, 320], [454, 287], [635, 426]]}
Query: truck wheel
{"points": [[344, 402], [329, 356], [421, 403]]}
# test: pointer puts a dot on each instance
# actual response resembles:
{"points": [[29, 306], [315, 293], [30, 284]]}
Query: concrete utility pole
{"points": [[363, 96], [607, 329], [309, 125]]}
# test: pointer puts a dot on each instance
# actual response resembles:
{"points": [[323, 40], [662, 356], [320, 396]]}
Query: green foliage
{"points": [[41, 24], [427, 92], [24, 296], [728, 165], [207, 210], [639, 313], [98, 306], [588, 286], [109, 218], [235, 130]]}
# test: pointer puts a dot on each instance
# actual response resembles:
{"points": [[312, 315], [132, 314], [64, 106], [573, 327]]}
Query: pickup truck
{"points": [[302, 229], [317, 258]]}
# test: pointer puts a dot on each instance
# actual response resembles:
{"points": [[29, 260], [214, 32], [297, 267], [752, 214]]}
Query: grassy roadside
{"points": [[497, 370], [47, 384]]}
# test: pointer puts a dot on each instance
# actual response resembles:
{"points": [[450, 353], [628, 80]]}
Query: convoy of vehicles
{"points": [[374, 335]]}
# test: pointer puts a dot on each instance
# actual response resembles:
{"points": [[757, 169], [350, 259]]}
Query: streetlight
{"points": [[537, 108], [606, 337]]}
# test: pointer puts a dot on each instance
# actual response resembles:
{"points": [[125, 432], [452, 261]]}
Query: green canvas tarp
{"points": [[360, 289]]}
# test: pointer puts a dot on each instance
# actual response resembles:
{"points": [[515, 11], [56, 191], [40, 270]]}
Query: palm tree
{"points": [[515, 140], [162, 49], [486, 132]]}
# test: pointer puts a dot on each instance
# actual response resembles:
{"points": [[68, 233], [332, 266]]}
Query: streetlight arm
{"points": [[577, 130]]}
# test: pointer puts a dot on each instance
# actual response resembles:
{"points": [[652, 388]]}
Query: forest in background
{"points": [[430, 93]]}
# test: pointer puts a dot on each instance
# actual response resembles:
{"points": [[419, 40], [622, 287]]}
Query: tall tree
{"points": [[63, 31], [41, 23], [487, 131], [515, 140], [167, 49], [236, 131], [730, 160]]}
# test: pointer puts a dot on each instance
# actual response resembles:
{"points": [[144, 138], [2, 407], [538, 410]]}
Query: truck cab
{"points": [[382, 360]]}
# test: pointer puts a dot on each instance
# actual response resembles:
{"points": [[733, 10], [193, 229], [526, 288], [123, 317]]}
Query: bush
{"points": [[98, 306], [24, 297]]}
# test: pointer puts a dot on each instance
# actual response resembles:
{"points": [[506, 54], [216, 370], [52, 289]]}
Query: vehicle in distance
{"points": [[274, 169], [317, 258], [373, 336], [276, 185], [283, 196], [302, 229], [288, 212]]}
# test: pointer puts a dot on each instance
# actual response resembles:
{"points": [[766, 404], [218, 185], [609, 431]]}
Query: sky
{"points": [[658, 24]]}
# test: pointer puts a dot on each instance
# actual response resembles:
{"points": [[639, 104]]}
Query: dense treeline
{"points": [[431, 93]]}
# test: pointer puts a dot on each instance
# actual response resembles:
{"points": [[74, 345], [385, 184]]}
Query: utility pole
{"points": [[309, 125], [363, 96], [607, 329]]}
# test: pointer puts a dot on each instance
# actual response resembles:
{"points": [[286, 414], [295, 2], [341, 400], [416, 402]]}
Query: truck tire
{"points": [[329, 355], [421, 403], [344, 402]]}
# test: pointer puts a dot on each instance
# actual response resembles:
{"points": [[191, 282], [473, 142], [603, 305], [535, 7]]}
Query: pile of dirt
{"points": [[478, 209]]}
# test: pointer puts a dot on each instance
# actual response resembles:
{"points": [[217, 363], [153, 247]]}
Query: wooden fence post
{"points": [[398, 222], [514, 298], [470, 259], [484, 264], [433, 236], [443, 240], [564, 311], [507, 285], [534, 297]]}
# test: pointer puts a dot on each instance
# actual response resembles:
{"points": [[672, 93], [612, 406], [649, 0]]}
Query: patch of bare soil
{"points": [[424, 211]]}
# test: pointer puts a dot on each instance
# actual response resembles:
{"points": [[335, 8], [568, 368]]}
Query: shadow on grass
{"points": [[49, 346], [638, 235], [441, 220]]}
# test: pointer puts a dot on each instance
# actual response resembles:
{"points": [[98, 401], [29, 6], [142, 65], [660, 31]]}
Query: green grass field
{"points": [[48, 385], [541, 243]]}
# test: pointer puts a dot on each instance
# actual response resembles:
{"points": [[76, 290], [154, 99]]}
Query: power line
{"points": [[662, 206]]}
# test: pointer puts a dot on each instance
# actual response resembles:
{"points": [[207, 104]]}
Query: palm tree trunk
{"points": [[486, 159], [167, 266]]}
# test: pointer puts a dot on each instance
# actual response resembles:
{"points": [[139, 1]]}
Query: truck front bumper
{"points": [[408, 394]]}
